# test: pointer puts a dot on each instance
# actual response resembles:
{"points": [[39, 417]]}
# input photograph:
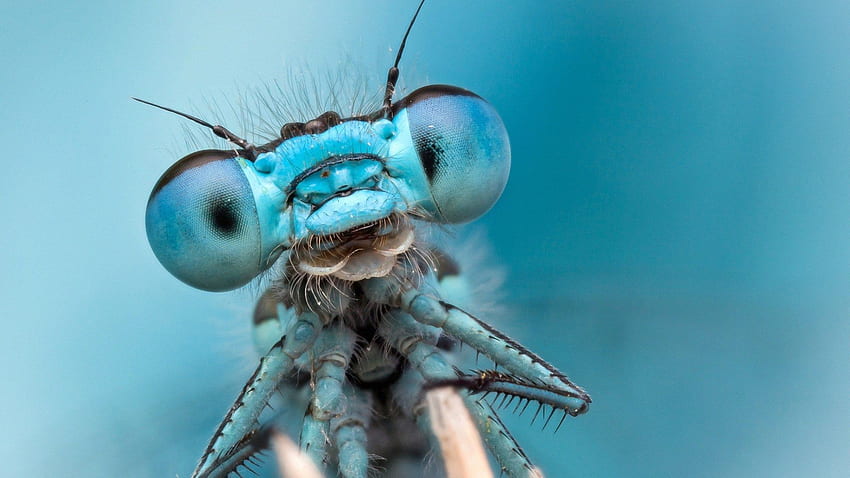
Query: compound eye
{"points": [[463, 147], [202, 222]]}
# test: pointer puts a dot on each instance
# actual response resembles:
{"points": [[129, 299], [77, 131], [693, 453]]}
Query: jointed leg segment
{"points": [[525, 365], [349, 431], [330, 361], [339, 413], [236, 430], [412, 339]]}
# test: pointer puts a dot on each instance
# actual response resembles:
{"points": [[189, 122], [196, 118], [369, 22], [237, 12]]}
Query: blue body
{"points": [[354, 327]]}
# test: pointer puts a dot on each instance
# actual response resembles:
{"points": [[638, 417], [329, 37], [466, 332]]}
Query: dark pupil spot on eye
{"points": [[430, 151], [222, 216]]}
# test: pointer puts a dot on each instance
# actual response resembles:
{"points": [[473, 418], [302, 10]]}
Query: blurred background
{"points": [[675, 229]]}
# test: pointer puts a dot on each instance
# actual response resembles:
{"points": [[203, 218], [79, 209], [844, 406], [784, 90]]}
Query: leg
{"points": [[525, 365], [333, 352], [460, 442], [411, 339], [291, 462], [498, 439], [418, 458], [233, 436], [349, 431]]}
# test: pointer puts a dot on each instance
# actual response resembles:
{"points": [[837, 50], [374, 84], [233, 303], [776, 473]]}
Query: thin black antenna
{"points": [[218, 130], [392, 75]]}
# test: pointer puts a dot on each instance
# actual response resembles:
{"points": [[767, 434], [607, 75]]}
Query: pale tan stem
{"points": [[535, 473], [460, 443], [291, 462]]}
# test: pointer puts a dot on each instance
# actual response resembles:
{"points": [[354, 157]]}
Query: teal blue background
{"points": [[675, 227]]}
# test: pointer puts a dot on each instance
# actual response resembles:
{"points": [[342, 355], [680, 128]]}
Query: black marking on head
{"points": [[322, 123], [331, 161], [319, 125], [326, 120], [290, 130]]}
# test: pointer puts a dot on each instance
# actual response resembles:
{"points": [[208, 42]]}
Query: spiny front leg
{"points": [[227, 449], [528, 368], [417, 343]]}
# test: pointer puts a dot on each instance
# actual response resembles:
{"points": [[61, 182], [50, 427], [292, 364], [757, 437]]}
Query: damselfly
{"points": [[354, 326]]}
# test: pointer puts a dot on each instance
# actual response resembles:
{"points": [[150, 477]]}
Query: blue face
{"points": [[216, 220]]}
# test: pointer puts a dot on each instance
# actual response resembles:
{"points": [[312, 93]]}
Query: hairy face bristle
{"points": [[331, 296]]}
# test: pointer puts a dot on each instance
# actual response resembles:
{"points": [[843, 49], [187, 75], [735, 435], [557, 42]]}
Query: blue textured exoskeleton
{"points": [[355, 319]]}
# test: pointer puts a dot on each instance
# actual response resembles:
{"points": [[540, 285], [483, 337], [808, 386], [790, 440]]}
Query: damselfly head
{"points": [[218, 218]]}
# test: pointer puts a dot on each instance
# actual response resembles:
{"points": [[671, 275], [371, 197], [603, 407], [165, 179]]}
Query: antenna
{"points": [[218, 130], [392, 75]]}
